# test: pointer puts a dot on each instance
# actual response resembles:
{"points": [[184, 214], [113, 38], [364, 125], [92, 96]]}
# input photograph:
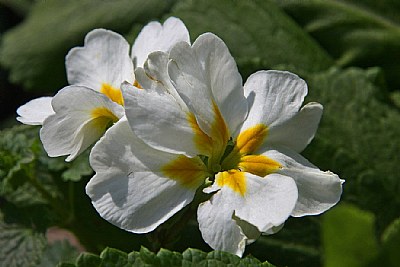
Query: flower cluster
{"points": [[182, 122]]}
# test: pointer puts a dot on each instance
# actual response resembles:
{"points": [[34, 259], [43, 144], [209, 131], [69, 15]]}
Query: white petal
{"points": [[318, 190], [73, 128], [297, 132], [273, 98], [218, 228], [156, 69], [35, 111], [224, 78], [206, 74], [159, 121], [104, 59], [157, 37], [129, 189], [267, 203]]}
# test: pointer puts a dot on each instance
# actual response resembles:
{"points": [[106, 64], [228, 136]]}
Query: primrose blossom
{"points": [[79, 114], [197, 126]]}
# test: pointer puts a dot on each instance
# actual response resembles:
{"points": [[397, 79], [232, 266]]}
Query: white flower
{"points": [[79, 114], [196, 122]]}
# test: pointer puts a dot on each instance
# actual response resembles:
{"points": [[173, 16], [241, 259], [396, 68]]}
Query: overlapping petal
{"points": [[273, 97], [35, 111], [298, 131], [102, 64], [206, 77], [81, 117], [157, 37], [262, 202], [161, 122], [318, 190], [131, 188]]}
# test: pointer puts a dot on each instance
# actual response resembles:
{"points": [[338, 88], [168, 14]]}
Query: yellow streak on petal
{"points": [[258, 165], [102, 117], [189, 172], [136, 84], [234, 179], [113, 93], [219, 128], [201, 139], [251, 139]]}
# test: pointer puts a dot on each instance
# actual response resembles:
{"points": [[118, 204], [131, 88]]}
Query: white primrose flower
{"points": [[196, 125], [79, 114]]}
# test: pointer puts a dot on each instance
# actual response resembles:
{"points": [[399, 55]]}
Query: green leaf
{"points": [[78, 168], [111, 257], [34, 51], [20, 246], [390, 245], [258, 33], [359, 33], [57, 252], [348, 237], [353, 137]]}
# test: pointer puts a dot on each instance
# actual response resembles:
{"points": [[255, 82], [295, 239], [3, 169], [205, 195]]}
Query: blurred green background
{"points": [[348, 52]]}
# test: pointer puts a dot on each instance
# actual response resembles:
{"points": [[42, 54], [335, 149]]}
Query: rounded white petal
{"points": [[206, 76], [104, 59], [129, 189], [157, 37], [273, 97], [35, 111], [218, 228], [266, 203], [297, 132], [75, 126], [318, 190], [159, 120]]}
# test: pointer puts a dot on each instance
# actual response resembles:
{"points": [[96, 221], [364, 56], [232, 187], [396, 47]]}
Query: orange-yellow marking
{"points": [[234, 179], [258, 165], [113, 93], [136, 84], [202, 140], [102, 117], [251, 139], [189, 172]]}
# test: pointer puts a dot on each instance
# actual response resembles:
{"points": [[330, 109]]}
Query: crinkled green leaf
{"points": [[258, 33], [34, 51], [348, 237], [20, 246], [164, 258], [358, 139], [359, 33], [57, 252], [78, 168]]}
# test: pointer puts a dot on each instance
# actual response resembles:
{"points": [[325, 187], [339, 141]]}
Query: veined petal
{"points": [[159, 120], [261, 202], [206, 75], [223, 78], [137, 187], [273, 97], [81, 117], [157, 37], [297, 132], [318, 190], [156, 69], [102, 64], [35, 111]]}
